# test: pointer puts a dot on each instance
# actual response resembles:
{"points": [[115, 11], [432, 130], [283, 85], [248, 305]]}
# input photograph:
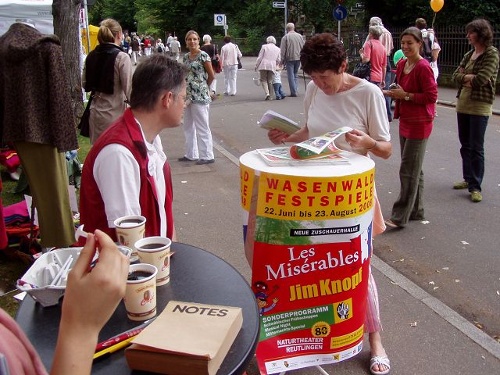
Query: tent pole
{"points": [[87, 25]]}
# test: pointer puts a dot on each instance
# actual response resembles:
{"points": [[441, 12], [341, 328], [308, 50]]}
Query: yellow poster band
{"points": [[247, 176], [314, 198]]}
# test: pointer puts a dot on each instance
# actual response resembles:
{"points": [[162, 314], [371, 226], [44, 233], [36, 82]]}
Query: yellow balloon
{"points": [[437, 5]]}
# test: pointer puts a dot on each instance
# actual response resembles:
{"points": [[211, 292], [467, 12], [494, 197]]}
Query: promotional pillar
{"points": [[307, 232]]}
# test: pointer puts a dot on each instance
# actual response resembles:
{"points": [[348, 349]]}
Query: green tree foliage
{"points": [[397, 13], [271, 21], [256, 19], [123, 11]]}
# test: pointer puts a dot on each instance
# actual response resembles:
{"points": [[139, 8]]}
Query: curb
{"points": [[454, 104]]}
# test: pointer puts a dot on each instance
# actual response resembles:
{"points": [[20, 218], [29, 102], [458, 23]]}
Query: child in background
{"points": [[278, 90]]}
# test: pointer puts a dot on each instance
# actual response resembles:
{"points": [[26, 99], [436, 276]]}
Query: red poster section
{"points": [[308, 239], [312, 301]]}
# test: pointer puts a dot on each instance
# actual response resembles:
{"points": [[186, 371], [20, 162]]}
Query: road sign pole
{"points": [[286, 14], [339, 13]]}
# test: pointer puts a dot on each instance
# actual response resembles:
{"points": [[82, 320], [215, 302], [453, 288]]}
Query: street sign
{"points": [[279, 4], [340, 13], [219, 19]]}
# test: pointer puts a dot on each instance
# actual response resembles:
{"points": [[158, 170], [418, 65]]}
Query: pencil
{"points": [[121, 336], [114, 348]]}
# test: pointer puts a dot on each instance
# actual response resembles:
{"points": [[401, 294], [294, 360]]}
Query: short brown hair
{"points": [[414, 32], [322, 52], [420, 23], [483, 29]]}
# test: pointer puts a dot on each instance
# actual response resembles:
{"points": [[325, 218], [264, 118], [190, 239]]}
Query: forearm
{"points": [[89, 301], [488, 69], [382, 149], [74, 350]]}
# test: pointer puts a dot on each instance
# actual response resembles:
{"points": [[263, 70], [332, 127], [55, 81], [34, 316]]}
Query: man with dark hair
{"points": [[126, 171], [229, 55]]}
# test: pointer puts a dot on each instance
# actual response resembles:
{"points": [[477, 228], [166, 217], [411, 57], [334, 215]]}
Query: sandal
{"points": [[391, 224], [380, 360]]}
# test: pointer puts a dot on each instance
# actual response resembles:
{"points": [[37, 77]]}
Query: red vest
{"points": [[125, 132]]}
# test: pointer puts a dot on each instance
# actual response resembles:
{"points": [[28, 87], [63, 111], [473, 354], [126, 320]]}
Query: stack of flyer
{"points": [[314, 151], [280, 156]]}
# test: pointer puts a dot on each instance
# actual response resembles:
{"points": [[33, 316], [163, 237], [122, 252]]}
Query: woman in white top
{"points": [[334, 98]]}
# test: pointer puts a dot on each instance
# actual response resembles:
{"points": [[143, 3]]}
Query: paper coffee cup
{"points": [[140, 295], [129, 229], [155, 250]]}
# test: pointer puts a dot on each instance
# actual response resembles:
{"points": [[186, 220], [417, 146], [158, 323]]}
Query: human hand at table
{"points": [[358, 139], [90, 299], [279, 137]]}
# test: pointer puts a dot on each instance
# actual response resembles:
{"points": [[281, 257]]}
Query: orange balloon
{"points": [[437, 5]]}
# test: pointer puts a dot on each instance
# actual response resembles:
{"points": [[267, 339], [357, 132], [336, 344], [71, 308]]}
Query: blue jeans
{"points": [[471, 129], [292, 70], [278, 91]]}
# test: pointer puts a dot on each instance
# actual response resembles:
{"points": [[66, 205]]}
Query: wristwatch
{"points": [[407, 96]]}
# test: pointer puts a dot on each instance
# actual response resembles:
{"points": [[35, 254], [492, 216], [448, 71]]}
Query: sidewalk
{"points": [[447, 96], [421, 335]]}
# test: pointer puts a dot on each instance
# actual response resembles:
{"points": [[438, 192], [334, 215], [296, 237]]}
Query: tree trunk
{"points": [[66, 26]]}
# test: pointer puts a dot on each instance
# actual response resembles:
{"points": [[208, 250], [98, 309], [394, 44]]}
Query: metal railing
{"points": [[452, 41]]}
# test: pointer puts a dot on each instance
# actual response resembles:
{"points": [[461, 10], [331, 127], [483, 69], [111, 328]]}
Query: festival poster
{"points": [[311, 243]]}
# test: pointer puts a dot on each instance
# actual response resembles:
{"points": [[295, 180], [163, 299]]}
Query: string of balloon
{"points": [[436, 6]]}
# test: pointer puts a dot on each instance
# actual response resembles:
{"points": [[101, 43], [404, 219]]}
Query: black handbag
{"points": [[362, 70], [84, 124]]}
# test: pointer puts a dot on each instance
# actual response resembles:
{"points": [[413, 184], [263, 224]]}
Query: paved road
{"points": [[435, 280]]}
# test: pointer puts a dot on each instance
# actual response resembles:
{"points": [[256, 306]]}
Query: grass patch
{"points": [[12, 269]]}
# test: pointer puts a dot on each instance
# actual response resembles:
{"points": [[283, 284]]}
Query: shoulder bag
{"points": [[362, 70], [215, 61], [238, 53], [84, 124]]}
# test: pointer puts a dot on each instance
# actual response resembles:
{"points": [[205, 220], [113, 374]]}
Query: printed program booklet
{"points": [[186, 339], [318, 146], [273, 120]]}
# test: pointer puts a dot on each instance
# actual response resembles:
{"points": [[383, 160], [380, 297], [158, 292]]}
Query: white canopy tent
{"points": [[38, 11]]}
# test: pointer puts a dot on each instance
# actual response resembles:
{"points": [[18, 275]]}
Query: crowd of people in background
{"points": [[129, 111], [146, 45]]}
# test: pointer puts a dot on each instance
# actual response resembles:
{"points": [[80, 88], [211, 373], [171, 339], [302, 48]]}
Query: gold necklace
{"points": [[409, 67]]}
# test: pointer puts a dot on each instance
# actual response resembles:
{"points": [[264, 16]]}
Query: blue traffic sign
{"points": [[340, 13], [219, 19]]}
